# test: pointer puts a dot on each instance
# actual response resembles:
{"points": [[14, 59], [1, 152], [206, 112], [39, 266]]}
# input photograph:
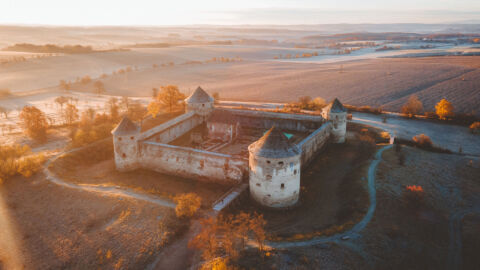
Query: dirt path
{"points": [[101, 189], [353, 232], [451, 137], [455, 236]]}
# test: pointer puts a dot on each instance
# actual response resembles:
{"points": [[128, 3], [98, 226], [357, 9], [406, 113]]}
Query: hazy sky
{"points": [[177, 12]]}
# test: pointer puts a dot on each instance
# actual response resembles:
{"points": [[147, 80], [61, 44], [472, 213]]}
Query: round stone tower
{"points": [[200, 102], [274, 170], [337, 114], [125, 144]]}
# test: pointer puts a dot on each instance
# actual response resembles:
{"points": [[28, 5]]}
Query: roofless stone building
{"points": [[266, 149]]}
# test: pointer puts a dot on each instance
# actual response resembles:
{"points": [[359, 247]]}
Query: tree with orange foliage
{"points": [[187, 205], [70, 114], [154, 108], [413, 196], [228, 235], [475, 127], [413, 106], [169, 96], [206, 240], [444, 109], [34, 122]]}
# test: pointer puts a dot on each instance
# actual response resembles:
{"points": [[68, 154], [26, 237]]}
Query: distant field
{"points": [[255, 76], [377, 82]]}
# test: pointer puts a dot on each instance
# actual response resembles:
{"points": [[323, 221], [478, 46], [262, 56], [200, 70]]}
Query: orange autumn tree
{"points": [[187, 205], [413, 106], [227, 235], [34, 123], [169, 96], [444, 109]]}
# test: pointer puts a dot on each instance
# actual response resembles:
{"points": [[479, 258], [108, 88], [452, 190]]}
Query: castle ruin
{"points": [[266, 149]]}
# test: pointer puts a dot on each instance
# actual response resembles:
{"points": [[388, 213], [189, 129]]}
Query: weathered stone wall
{"points": [[125, 149], [274, 182], [172, 129], [192, 163], [202, 109], [312, 144], [339, 128], [266, 120]]}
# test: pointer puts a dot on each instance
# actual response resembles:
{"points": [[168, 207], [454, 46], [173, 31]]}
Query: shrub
{"points": [[18, 160], [444, 109], [413, 196], [475, 127], [413, 106], [422, 141], [4, 93], [34, 122], [85, 79], [187, 205]]}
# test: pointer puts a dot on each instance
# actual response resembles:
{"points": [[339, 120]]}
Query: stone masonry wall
{"points": [[265, 120], [192, 163], [313, 143], [172, 129]]}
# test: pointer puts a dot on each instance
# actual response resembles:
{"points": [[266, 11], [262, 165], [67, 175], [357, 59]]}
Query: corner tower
{"points": [[274, 170], [200, 102], [125, 144], [337, 114]]}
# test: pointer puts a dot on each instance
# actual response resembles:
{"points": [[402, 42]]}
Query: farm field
{"points": [[386, 82]]}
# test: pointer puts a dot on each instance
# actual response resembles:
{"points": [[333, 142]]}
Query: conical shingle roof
{"points": [[126, 126], [336, 106], [199, 96], [274, 144]]}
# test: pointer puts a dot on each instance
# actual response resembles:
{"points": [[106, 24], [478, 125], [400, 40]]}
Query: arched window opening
{"points": [[269, 177], [258, 185], [123, 155], [282, 186], [280, 163]]}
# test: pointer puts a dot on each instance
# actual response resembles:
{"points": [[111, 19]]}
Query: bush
{"points": [[34, 123], [4, 93], [423, 141], [475, 127], [187, 205], [18, 160], [413, 196]]}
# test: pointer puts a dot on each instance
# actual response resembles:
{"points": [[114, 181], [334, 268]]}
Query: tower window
{"points": [[282, 186], [295, 172], [123, 155], [258, 185], [203, 105], [269, 177], [280, 163], [120, 138], [268, 161], [131, 138]]}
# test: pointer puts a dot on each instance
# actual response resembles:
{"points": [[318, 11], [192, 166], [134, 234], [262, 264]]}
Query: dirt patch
{"points": [[61, 228], [403, 235], [333, 195], [81, 167], [325, 256]]}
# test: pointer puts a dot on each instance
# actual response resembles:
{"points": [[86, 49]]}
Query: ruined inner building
{"points": [[208, 143]]}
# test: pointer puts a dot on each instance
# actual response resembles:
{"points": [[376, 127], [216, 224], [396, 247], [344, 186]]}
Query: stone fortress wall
{"points": [[273, 182]]}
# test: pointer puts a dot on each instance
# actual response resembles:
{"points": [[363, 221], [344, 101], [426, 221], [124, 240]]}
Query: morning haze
{"points": [[252, 135]]}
